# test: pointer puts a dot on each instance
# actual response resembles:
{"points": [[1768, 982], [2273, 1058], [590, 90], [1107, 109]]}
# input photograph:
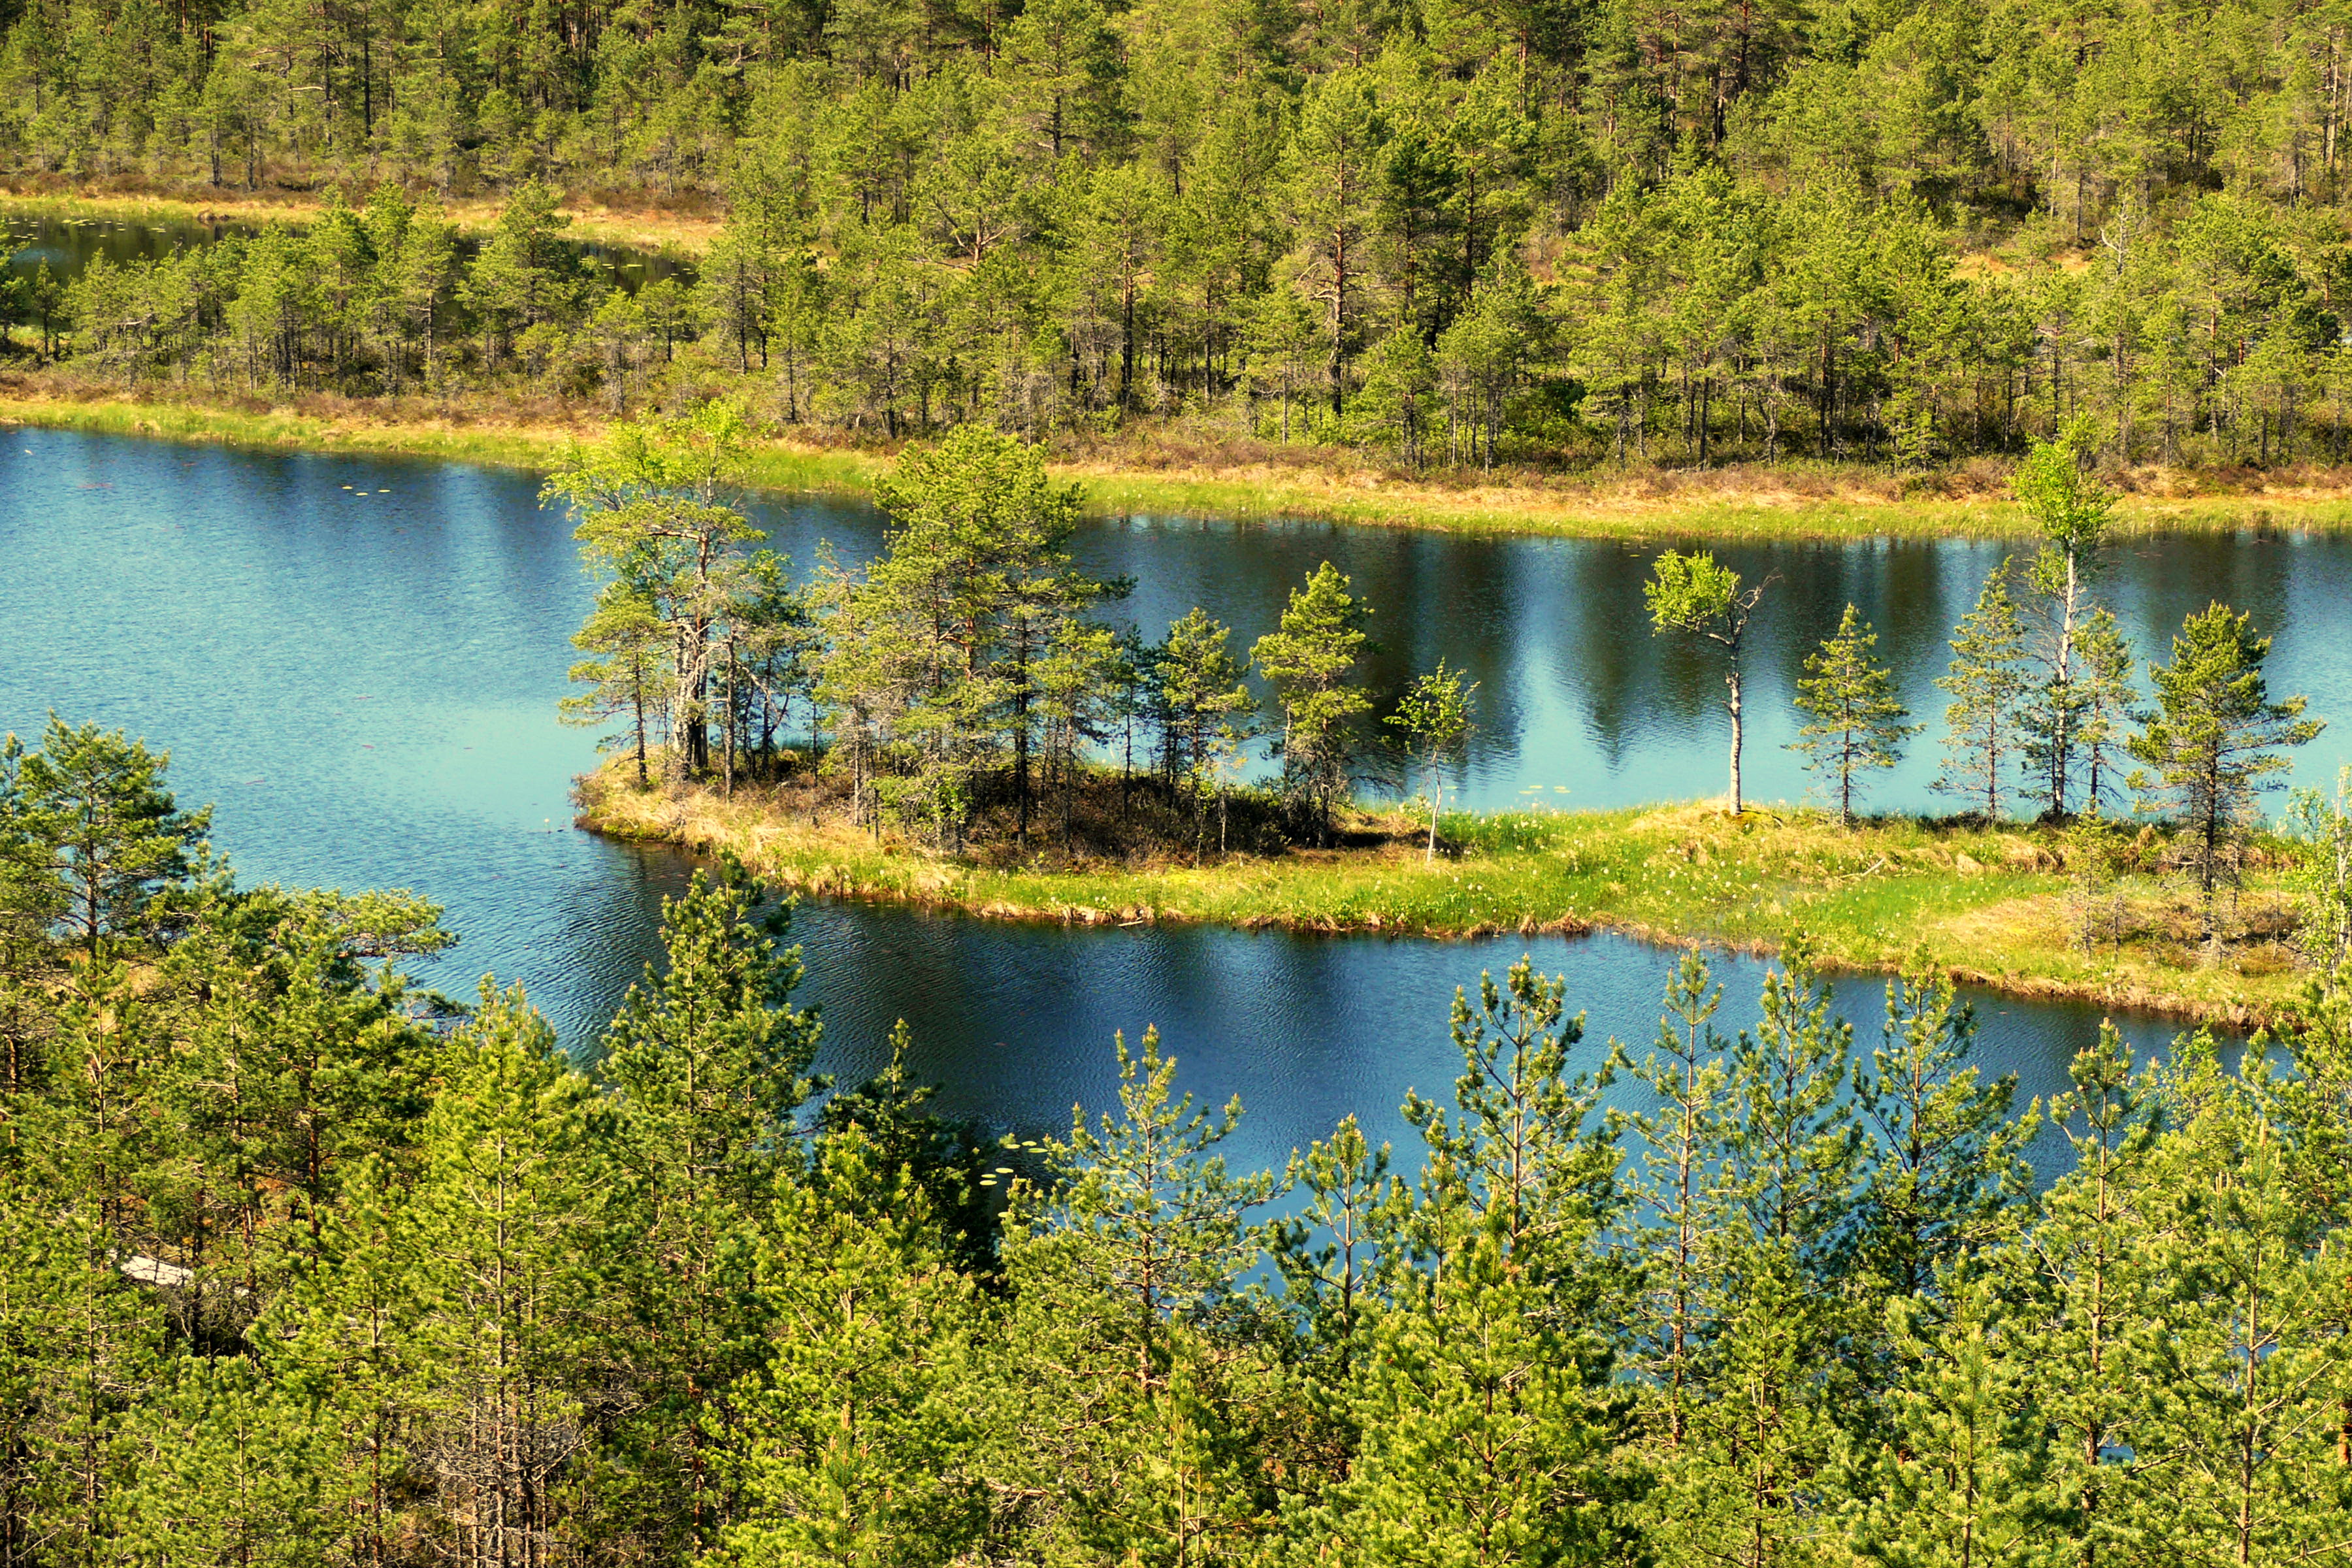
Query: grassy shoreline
{"points": [[1990, 906], [688, 234], [1648, 506]]}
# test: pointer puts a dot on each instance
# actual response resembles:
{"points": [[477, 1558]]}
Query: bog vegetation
{"points": [[305, 1265], [1452, 231], [968, 691]]}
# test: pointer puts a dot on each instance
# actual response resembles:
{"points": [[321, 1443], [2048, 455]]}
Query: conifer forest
{"points": [[1450, 232], [307, 1263], [311, 1260]]}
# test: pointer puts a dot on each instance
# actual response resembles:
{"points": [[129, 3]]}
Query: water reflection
{"points": [[359, 660]]}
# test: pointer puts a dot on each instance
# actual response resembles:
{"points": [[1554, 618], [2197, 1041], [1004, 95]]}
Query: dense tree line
{"points": [[1458, 231], [305, 1266]]}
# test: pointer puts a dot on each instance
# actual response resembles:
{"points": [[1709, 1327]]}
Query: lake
{"points": [[358, 661]]}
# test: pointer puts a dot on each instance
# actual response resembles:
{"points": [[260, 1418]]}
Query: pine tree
{"points": [[2243, 1426], [1488, 1434], [2213, 740], [1746, 1485], [1961, 1483], [2324, 826], [1684, 1232], [1311, 663], [859, 1429], [1523, 1154], [1946, 1173], [1985, 687], [342, 1340], [1488, 1428], [1334, 1253], [1857, 721], [655, 507], [707, 1062], [88, 810], [2086, 1273], [1131, 1388], [502, 1242], [228, 1468], [522, 279], [79, 1342], [294, 1060], [1795, 1147]]}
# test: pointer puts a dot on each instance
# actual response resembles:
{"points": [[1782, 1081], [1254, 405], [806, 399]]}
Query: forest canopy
{"points": [[1454, 233], [308, 1265]]}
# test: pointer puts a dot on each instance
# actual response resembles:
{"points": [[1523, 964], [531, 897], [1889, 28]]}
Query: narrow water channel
{"points": [[358, 661]]}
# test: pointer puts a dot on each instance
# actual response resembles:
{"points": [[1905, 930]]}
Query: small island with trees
{"points": [[958, 723]]}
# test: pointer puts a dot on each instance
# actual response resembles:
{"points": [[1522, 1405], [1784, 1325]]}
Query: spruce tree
{"points": [[628, 676], [1855, 720], [2103, 680], [1204, 706]]}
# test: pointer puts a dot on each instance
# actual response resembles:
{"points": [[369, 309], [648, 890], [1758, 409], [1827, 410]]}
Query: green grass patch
{"points": [[1989, 906]]}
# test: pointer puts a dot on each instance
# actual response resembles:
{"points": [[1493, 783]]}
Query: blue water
{"points": [[363, 680]]}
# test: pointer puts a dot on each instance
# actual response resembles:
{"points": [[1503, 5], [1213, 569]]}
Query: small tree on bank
{"points": [[2214, 739], [2072, 510], [1986, 685], [1857, 721], [1435, 716], [2103, 679], [627, 676], [1311, 664], [1692, 595]]}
